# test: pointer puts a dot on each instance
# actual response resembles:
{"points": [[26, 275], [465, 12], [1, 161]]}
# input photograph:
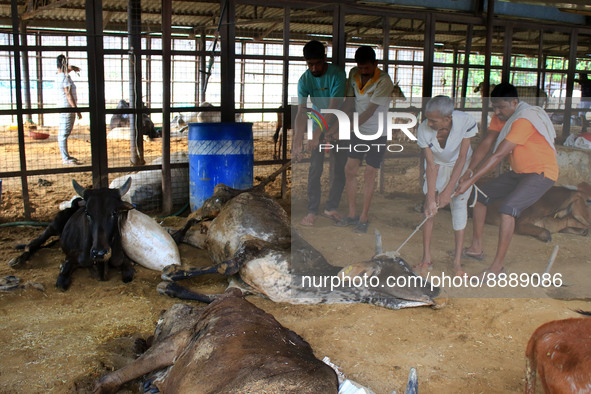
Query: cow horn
{"points": [[379, 247], [125, 188], [79, 189]]}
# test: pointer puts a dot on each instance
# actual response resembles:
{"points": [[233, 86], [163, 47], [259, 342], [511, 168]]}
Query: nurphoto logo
{"points": [[401, 121]]}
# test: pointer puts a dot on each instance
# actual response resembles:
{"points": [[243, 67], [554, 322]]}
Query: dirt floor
{"points": [[60, 342]]}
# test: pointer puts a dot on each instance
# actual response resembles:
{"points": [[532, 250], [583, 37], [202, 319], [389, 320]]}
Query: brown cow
{"points": [[560, 210], [228, 346], [560, 352]]}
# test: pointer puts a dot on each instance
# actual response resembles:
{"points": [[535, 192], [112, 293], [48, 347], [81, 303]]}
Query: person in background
{"points": [[66, 91], [324, 84], [369, 92], [585, 83], [525, 134], [445, 139]]}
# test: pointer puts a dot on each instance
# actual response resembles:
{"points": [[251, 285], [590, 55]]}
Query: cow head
{"points": [[103, 209], [397, 92]]}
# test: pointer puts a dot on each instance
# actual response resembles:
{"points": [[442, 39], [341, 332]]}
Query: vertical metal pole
{"points": [[570, 81], [148, 102], [227, 60], [39, 76], [541, 74], [386, 50], [19, 109], [96, 89], [466, 73], [136, 141], [339, 45], [507, 47], [428, 56], [242, 76], [202, 67], [26, 75], [166, 94], [454, 74], [490, 13], [285, 99]]}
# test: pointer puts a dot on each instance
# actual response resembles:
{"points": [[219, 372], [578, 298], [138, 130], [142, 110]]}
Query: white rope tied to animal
{"points": [[397, 252], [476, 191]]}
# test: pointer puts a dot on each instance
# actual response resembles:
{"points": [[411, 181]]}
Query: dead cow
{"points": [[561, 209], [89, 235], [248, 235], [530, 94], [560, 352], [230, 346]]}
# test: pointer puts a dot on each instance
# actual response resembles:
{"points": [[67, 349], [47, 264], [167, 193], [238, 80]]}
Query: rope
{"points": [[476, 191], [413, 233]]}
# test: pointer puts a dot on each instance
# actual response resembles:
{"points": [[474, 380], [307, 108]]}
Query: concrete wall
{"points": [[574, 165]]}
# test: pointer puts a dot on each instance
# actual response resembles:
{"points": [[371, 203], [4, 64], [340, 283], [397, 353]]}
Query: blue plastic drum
{"points": [[219, 153]]}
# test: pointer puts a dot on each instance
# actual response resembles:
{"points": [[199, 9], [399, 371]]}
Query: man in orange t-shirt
{"points": [[534, 168]]}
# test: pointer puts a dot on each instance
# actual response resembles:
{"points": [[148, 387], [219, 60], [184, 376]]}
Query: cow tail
{"points": [[582, 312]]}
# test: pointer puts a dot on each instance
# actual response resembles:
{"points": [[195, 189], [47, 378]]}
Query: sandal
{"points": [[476, 256], [70, 162], [347, 221], [361, 227], [462, 273]]}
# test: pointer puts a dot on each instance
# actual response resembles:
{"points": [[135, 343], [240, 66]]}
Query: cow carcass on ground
{"points": [[248, 236], [228, 346], [560, 352], [561, 209]]}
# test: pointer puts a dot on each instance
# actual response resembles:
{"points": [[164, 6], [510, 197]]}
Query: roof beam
{"points": [[35, 7]]}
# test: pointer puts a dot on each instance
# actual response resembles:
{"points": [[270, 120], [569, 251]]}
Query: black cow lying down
{"points": [[228, 346], [248, 236], [89, 235]]}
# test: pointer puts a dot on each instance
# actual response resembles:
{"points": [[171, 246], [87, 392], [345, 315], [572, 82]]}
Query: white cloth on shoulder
{"points": [[538, 118]]}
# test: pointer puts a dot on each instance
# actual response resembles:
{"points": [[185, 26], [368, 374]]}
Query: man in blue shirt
{"points": [[324, 84]]}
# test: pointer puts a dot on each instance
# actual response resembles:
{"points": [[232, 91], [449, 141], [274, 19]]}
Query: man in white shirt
{"points": [[445, 139], [372, 91]]}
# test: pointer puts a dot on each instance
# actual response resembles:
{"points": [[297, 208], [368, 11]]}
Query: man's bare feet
{"points": [[334, 215], [308, 220]]}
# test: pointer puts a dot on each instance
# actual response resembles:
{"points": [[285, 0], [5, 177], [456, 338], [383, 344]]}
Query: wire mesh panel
{"points": [[406, 57], [582, 88]]}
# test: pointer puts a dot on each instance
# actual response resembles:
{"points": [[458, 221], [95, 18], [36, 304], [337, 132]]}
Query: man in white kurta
{"points": [[445, 139]]}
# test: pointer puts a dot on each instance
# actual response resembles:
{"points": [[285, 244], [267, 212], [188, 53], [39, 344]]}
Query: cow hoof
{"points": [[17, 262], [9, 283], [172, 272], [163, 288], [545, 237], [127, 277], [62, 283]]}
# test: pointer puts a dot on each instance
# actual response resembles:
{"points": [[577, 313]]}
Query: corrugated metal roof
{"points": [[261, 21]]}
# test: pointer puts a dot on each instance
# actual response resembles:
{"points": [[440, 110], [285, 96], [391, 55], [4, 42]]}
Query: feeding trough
{"points": [[38, 136]]}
